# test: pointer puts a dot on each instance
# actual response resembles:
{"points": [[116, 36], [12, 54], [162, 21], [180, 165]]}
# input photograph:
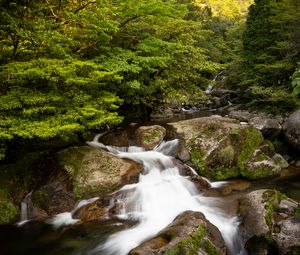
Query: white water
{"points": [[24, 209], [212, 83], [66, 218], [160, 195]]}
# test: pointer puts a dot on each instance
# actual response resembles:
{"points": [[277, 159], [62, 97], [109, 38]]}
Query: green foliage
{"points": [[68, 65], [8, 211], [50, 98], [296, 81], [272, 99], [269, 56]]}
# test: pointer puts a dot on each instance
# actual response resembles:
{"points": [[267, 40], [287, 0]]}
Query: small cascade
{"points": [[66, 218], [26, 205], [212, 83], [160, 195]]}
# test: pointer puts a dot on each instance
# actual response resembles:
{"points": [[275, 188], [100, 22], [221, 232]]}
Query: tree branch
{"points": [[84, 6], [51, 10], [128, 20]]}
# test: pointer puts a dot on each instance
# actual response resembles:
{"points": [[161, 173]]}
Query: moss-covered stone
{"points": [[226, 155], [190, 245], [269, 221], [190, 233], [221, 149], [96, 172], [248, 141], [149, 136]]}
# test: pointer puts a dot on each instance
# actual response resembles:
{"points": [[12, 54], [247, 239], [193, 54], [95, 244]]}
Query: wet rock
{"points": [[189, 233], [241, 115], [90, 212], [220, 148], [120, 137], [269, 224], [291, 129], [52, 197], [149, 136], [260, 165], [288, 237], [253, 212], [164, 112], [95, 171], [270, 127], [235, 185]]}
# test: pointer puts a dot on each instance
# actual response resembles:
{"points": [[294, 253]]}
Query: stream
{"points": [[160, 195], [143, 209]]}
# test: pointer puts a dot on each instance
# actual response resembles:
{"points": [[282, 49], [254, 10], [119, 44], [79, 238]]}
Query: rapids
{"points": [[160, 195]]}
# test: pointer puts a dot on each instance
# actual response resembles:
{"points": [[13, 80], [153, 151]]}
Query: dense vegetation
{"points": [[267, 63], [68, 65]]}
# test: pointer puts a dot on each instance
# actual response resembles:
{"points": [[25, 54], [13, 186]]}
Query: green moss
{"points": [[225, 173], [268, 148], [249, 140], [261, 173], [197, 160], [190, 245], [234, 133], [272, 199], [297, 211], [8, 211], [226, 156], [153, 135], [209, 248], [229, 160]]}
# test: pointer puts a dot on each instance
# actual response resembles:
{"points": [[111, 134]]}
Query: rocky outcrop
{"points": [[291, 129], [241, 115], [189, 233], [92, 211], [79, 172], [96, 172], [270, 224], [270, 126], [221, 148], [51, 198], [149, 136]]}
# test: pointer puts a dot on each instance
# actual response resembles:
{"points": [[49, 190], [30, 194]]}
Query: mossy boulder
{"points": [[190, 233], [221, 148], [269, 223], [95, 171], [149, 136]]}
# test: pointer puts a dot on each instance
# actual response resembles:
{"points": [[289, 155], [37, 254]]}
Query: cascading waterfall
{"points": [[212, 83], [160, 195]]}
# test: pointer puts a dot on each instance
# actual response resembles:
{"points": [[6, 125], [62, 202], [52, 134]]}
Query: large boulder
{"points": [[270, 127], [189, 233], [78, 172], [241, 115], [291, 129], [221, 148], [149, 136], [270, 224], [53, 197], [95, 171]]}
